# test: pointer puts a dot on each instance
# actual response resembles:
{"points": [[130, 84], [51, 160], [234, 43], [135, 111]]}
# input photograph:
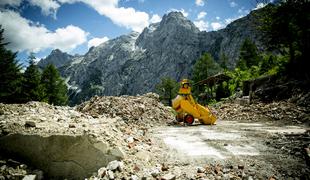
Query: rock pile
{"points": [[69, 141], [11, 169], [284, 112], [145, 109]]}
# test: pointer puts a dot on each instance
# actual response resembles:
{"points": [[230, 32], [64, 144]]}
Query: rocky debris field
{"points": [[83, 141], [11, 169], [132, 137], [282, 111], [144, 110]]}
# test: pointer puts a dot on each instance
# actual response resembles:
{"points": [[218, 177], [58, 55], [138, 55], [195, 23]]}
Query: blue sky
{"points": [[74, 25]]}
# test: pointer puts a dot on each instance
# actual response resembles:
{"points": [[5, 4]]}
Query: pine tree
{"points": [[248, 55], [267, 63], [32, 89], [205, 67], [286, 27], [223, 61], [55, 89], [167, 90], [10, 74]]}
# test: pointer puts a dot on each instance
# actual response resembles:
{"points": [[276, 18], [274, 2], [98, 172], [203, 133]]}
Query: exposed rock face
{"points": [[57, 58], [60, 156], [134, 63]]}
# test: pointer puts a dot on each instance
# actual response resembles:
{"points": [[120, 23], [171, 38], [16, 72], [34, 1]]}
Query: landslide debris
{"points": [[76, 142], [282, 111], [145, 109]]}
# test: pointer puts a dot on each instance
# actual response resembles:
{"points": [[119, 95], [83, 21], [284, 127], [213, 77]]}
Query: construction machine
{"points": [[188, 109]]}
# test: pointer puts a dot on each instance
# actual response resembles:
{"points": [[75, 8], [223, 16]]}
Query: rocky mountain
{"points": [[134, 63], [57, 58]]}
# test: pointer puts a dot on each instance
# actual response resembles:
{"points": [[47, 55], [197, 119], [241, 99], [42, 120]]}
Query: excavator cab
{"points": [[188, 109]]}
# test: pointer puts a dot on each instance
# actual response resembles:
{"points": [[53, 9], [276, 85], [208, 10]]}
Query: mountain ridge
{"points": [[134, 63]]}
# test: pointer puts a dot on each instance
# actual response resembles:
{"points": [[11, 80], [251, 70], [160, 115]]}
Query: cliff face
{"points": [[57, 58], [134, 63]]}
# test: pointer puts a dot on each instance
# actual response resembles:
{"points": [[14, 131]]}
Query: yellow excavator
{"points": [[188, 109]]}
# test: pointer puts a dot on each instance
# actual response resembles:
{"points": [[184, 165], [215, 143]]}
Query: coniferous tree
{"points": [[32, 89], [286, 27], [10, 74], [267, 63], [223, 61], [248, 55], [205, 67], [55, 89], [167, 90]]}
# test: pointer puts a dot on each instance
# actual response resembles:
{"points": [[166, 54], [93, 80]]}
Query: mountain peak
{"points": [[177, 19], [57, 58], [56, 51], [175, 14]]}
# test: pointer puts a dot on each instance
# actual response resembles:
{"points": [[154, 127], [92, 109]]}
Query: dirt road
{"points": [[235, 150]]}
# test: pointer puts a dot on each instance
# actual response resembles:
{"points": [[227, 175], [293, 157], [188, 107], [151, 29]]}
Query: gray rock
{"points": [[130, 139], [200, 169], [57, 58], [110, 174], [102, 172], [30, 177], [134, 177], [121, 166], [169, 48], [143, 155], [30, 124], [113, 165], [78, 157], [118, 152], [155, 172], [102, 146], [168, 177], [39, 174]]}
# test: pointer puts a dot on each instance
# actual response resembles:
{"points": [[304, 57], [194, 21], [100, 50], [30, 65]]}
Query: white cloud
{"points": [[201, 15], [10, 2], [125, 17], [185, 14], [233, 4], [217, 18], [199, 2], [155, 18], [243, 11], [25, 35], [216, 26], [122, 16], [97, 41], [48, 7], [37, 59], [202, 25], [229, 20], [260, 5]]}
